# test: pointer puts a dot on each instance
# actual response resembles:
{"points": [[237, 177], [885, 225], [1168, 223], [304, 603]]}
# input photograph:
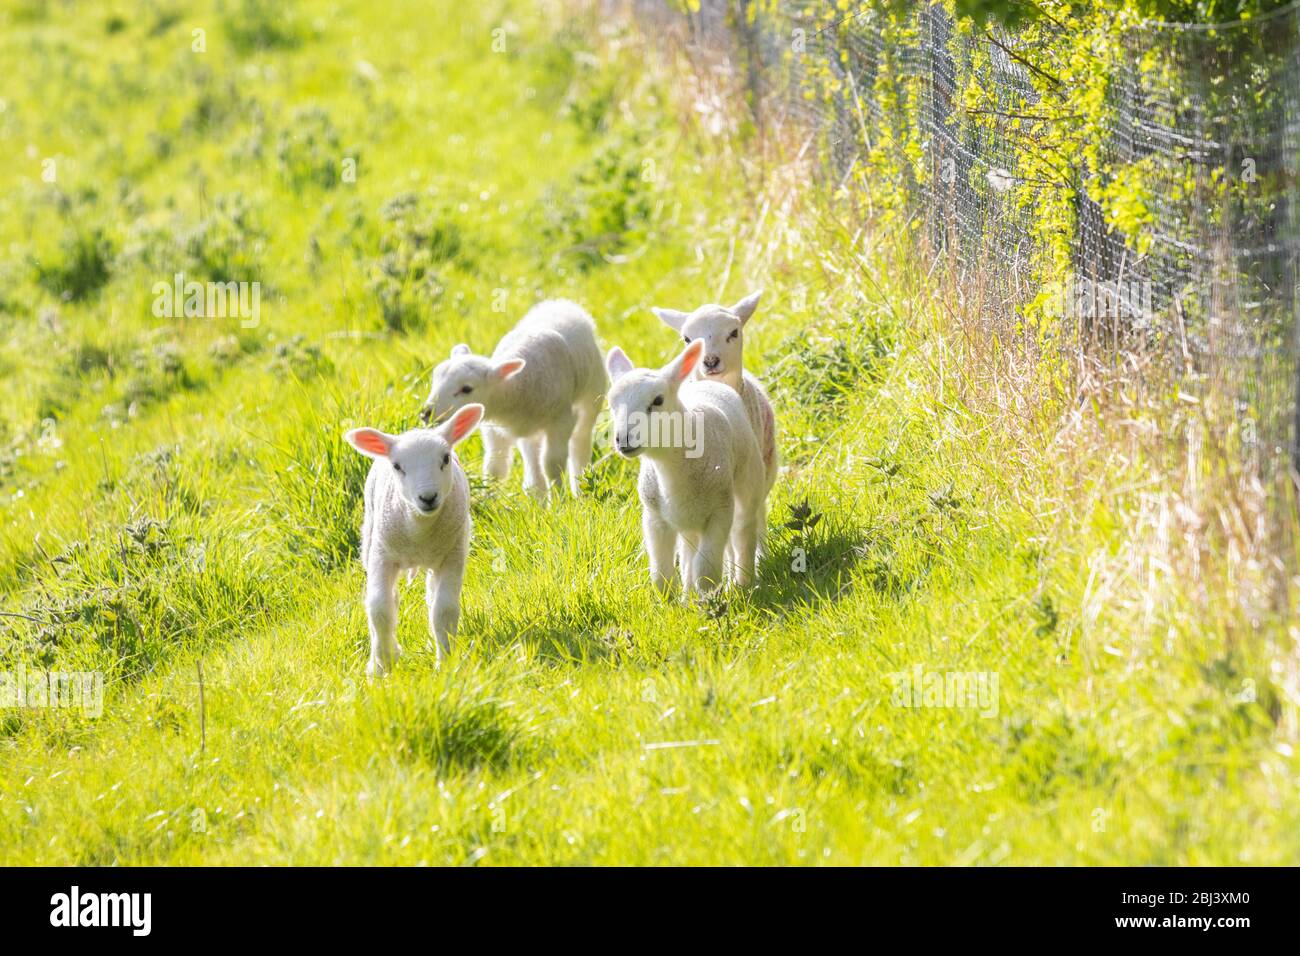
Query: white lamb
{"points": [[722, 332], [417, 517], [542, 390], [702, 482]]}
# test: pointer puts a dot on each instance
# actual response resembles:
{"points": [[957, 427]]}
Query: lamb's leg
{"points": [[659, 539], [580, 443], [555, 446], [381, 616], [686, 551], [442, 595], [708, 558], [530, 450], [743, 546], [760, 542], [497, 451]]}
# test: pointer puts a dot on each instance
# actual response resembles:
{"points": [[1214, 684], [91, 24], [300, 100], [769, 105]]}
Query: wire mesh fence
{"points": [[1164, 222]]}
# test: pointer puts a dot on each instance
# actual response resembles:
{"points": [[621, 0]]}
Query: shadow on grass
{"points": [[809, 559], [580, 631]]}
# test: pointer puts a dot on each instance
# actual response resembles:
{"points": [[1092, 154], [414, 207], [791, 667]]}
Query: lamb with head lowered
{"points": [[416, 518], [541, 391], [702, 483]]}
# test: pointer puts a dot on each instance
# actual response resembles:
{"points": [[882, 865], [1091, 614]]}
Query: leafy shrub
{"points": [[420, 233], [299, 358], [600, 212], [128, 598], [215, 106], [256, 26], [227, 350], [308, 151], [154, 374], [226, 244], [81, 268], [816, 370], [568, 74]]}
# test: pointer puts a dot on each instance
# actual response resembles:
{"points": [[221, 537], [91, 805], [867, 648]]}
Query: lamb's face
{"points": [[646, 411], [421, 460], [457, 381], [723, 335], [634, 401]]}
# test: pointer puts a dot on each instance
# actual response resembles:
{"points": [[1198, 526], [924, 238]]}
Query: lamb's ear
{"points": [[462, 423], [371, 442], [504, 369], [461, 349], [671, 317], [746, 306], [617, 364], [680, 368]]}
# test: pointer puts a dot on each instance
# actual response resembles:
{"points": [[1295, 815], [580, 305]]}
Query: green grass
{"points": [[176, 490]]}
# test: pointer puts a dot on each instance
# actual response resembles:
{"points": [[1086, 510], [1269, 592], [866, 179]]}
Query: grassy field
{"points": [[400, 177]]}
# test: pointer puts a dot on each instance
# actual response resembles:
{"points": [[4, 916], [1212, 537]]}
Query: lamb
{"points": [[416, 517], [722, 331], [702, 482], [542, 390]]}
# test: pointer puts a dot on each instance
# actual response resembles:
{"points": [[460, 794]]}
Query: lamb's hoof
{"points": [[377, 667]]}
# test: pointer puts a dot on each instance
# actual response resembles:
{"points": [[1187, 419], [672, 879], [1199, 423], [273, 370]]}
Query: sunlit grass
{"points": [[176, 491]]}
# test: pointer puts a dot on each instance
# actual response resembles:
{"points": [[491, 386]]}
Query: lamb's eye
{"points": [[397, 468], [734, 333], [446, 459], [686, 339], [659, 400], [465, 389]]}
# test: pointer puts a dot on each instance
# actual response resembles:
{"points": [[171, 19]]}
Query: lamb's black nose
{"points": [[429, 502], [712, 361]]}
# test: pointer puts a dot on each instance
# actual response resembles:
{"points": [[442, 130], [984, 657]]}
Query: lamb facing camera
{"points": [[701, 498], [416, 518]]}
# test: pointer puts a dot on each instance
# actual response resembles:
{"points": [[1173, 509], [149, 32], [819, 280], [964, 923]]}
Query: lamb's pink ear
{"points": [[461, 349], [462, 423], [503, 370], [617, 364], [671, 318], [680, 368], [746, 306], [371, 442]]}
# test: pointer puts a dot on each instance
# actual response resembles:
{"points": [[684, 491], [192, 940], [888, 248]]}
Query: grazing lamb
{"points": [[702, 489], [542, 390], [722, 332], [417, 517]]}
